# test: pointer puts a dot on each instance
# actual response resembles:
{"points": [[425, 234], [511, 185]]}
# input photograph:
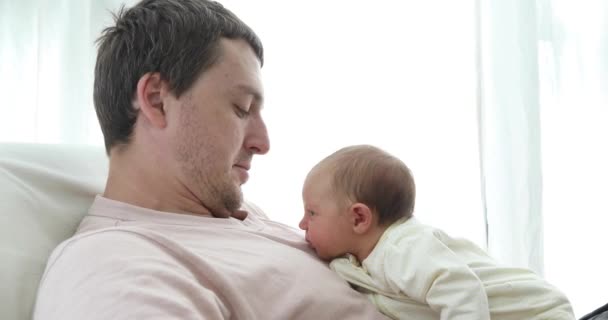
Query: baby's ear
{"points": [[362, 217]]}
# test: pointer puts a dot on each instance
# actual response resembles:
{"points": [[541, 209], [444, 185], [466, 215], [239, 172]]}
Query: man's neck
{"points": [[145, 184]]}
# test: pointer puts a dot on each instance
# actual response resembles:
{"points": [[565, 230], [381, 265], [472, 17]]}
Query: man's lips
{"points": [[245, 166], [242, 171]]}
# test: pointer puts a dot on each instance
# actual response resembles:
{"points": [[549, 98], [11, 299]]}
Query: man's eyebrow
{"points": [[257, 95]]}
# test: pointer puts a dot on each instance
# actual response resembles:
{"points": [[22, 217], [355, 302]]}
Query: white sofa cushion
{"points": [[45, 191]]}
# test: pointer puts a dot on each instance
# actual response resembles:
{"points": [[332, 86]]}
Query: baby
{"points": [[358, 211]]}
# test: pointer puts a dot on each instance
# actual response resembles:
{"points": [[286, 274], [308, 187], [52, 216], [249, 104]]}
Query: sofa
{"points": [[45, 191]]}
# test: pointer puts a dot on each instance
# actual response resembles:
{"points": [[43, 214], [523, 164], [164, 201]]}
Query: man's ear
{"points": [[362, 217], [150, 94]]}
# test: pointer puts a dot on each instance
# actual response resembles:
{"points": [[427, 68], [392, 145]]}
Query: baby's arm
{"points": [[426, 270]]}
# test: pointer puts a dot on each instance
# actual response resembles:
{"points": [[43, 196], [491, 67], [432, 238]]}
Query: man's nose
{"points": [[257, 141]]}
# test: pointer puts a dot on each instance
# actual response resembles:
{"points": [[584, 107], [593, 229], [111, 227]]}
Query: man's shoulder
{"points": [[110, 254], [122, 271], [105, 242]]}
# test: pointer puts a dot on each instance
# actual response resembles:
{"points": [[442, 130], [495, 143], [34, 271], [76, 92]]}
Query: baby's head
{"points": [[351, 197]]}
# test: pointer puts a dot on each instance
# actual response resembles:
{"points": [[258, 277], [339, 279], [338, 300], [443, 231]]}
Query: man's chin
{"points": [[232, 196]]}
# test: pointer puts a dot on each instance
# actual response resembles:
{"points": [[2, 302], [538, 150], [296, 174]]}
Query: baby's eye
{"points": [[310, 212]]}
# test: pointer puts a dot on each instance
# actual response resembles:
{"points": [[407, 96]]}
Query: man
{"points": [[179, 99]]}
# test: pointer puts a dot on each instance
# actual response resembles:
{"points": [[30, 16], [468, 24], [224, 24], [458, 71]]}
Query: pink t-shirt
{"points": [[127, 262]]}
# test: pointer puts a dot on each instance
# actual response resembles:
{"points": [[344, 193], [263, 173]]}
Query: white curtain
{"points": [[573, 69], [497, 106], [47, 54], [510, 131], [544, 111]]}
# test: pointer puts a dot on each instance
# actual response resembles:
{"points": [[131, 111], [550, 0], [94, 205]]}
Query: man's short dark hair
{"points": [[177, 38]]}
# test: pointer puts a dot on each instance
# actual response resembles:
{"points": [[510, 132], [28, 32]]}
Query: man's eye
{"points": [[240, 112]]}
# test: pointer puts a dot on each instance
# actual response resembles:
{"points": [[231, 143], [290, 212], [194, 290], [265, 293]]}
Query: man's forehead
{"points": [[237, 70]]}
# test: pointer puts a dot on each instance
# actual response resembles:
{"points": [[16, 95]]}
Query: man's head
{"points": [[179, 39], [352, 192], [178, 90]]}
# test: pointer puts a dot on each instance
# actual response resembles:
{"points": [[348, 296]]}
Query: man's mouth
{"points": [[245, 166], [242, 172]]}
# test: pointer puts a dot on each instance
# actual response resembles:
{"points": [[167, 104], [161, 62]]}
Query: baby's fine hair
{"points": [[372, 176]]}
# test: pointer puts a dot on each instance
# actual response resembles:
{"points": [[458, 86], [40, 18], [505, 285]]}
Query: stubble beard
{"points": [[216, 189], [223, 196], [211, 182]]}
